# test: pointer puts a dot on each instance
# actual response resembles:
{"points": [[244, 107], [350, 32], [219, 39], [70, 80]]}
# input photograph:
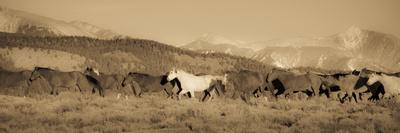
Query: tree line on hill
{"points": [[153, 57]]}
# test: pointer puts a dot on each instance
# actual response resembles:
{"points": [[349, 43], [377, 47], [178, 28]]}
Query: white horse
{"points": [[192, 83], [391, 83]]}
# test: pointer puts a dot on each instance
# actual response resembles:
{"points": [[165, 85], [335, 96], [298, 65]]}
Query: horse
{"points": [[244, 84], [192, 83], [391, 84], [375, 88], [69, 80], [141, 83], [217, 86], [345, 83], [109, 82], [286, 83], [14, 82], [172, 88]]}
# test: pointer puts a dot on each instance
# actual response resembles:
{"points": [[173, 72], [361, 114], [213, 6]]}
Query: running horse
{"points": [[192, 83]]}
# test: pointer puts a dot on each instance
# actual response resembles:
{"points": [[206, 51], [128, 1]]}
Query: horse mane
{"points": [[394, 74], [140, 74], [184, 72], [200, 74], [43, 68], [338, 75], [244, 70], [181, 71]]}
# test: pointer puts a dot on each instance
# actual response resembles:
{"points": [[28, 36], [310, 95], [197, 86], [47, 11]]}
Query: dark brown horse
{"points": [[109, 82], [65, 80], [281, 82], [245, 84], [14, 82], [145, 83]]}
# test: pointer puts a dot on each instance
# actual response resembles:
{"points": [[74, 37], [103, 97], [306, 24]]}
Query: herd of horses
{"points": [[244, 84]]}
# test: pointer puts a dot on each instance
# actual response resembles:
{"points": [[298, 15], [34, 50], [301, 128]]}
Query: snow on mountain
{"points": [[216, 39], [353, 49], [211, 43], [95, 30], [353, 37], [15, 21]]}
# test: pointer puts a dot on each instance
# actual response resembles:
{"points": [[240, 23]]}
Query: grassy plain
{"points": [[74, 112]]}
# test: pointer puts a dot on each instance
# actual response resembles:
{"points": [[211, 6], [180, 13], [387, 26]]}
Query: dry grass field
{"points": [[73, 112]]}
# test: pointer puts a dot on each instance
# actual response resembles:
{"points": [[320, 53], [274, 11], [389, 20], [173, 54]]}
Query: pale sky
{"points": [[181, 21]]}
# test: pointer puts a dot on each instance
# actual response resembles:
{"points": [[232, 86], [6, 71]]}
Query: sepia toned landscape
{"points": [[72, 112], [199, 66]]}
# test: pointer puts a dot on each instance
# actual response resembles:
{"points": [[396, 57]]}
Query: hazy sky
{"points": [[181, 21]]}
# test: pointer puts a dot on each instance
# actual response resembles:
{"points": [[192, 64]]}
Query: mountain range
{"points": [[211, 43], [355, 48], [15, 21]]}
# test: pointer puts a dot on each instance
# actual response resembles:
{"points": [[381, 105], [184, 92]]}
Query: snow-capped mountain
{"points": [[353, 49], [15, 21], [211, 43]]}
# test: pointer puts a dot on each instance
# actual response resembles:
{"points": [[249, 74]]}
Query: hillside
{"points": [[354, 49], [15, 21], [112, 56]]}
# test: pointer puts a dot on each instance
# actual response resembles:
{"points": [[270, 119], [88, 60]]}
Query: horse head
{"points": [[127, 80], [35, 75], [92, 71], [272, 76], [373, 78], [172, 74]]}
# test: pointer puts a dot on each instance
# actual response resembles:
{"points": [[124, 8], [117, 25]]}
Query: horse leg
{"points": [[255, 92], [245, 97], [343, 98], [383, 94], [287, 95], [374, 97], [338, 95], [180, 92], [191, 94], [118, 95], [348, 97], [204, 99], [355, 97], [204, 96], [327, 93], [217, 91], [169, 95], [212, 94], [80, 90], [52, 92], [101, 92]]}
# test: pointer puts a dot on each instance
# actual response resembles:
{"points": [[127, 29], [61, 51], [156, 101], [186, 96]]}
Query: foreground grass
{"points": [[72, 112]]}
